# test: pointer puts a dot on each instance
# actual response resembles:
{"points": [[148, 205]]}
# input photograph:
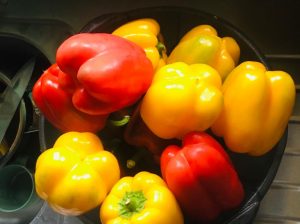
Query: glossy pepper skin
{"points": [[110, 72], [52, 93], [142, 199], [145, 33], [76, 174], [203, 45], [189, 99], [257, 107], [202, 177]]}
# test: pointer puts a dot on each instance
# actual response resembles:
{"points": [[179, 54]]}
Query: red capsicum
{"points": [[100, 73], [54, 99], [202, 177]]}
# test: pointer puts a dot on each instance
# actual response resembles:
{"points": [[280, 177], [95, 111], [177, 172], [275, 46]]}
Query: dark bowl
{"points": [[256, 173]]}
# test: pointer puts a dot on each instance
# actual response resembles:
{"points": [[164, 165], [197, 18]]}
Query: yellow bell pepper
{"points": [[202, 45], [145, 33], [182, 98], [257, 107], [142, 199], [76, 174]]}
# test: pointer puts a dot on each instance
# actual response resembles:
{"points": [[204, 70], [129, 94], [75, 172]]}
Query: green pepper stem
{"points": [[161, 48], [132, 202], [131, 162], [121, 122], [130, 205]]}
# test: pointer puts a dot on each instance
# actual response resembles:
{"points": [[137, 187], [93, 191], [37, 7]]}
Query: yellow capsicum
{"points": [[257, 107], [145, 33], [182, 98], [76, 174], [142, 199], [203, 45]]}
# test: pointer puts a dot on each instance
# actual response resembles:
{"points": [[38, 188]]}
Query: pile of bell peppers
{"points": [[179, 103]]}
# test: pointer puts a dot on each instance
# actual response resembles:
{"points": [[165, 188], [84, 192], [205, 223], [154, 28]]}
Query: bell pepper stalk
{"points": [[119, 123], [257, 107], [145, 33], [203, 45], [143, 198], [54, 99], [76, 174], [202, 177], [189, 99]]}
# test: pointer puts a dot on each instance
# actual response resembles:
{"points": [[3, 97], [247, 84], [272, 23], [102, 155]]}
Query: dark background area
{"points": [[272, 24]]}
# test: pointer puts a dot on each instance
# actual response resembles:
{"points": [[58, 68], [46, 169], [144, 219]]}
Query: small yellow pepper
{"points": [[202, 45], [142, 199], [182, 98], [145, 33], [76, 174], [257, 107]]}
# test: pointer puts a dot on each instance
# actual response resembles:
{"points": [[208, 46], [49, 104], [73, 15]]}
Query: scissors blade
{"points": [[13, 94]]}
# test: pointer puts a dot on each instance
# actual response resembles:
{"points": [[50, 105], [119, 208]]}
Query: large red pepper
{"points": [[202, 177], [110, 72], [52, 93], [97, 74]]}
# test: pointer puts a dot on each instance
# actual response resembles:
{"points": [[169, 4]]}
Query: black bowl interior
{"points": [[256, 173]]}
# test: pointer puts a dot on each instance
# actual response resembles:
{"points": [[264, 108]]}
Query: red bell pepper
{"points": [[110, 72], [52, 93], [95, 74], [202, 177]]}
